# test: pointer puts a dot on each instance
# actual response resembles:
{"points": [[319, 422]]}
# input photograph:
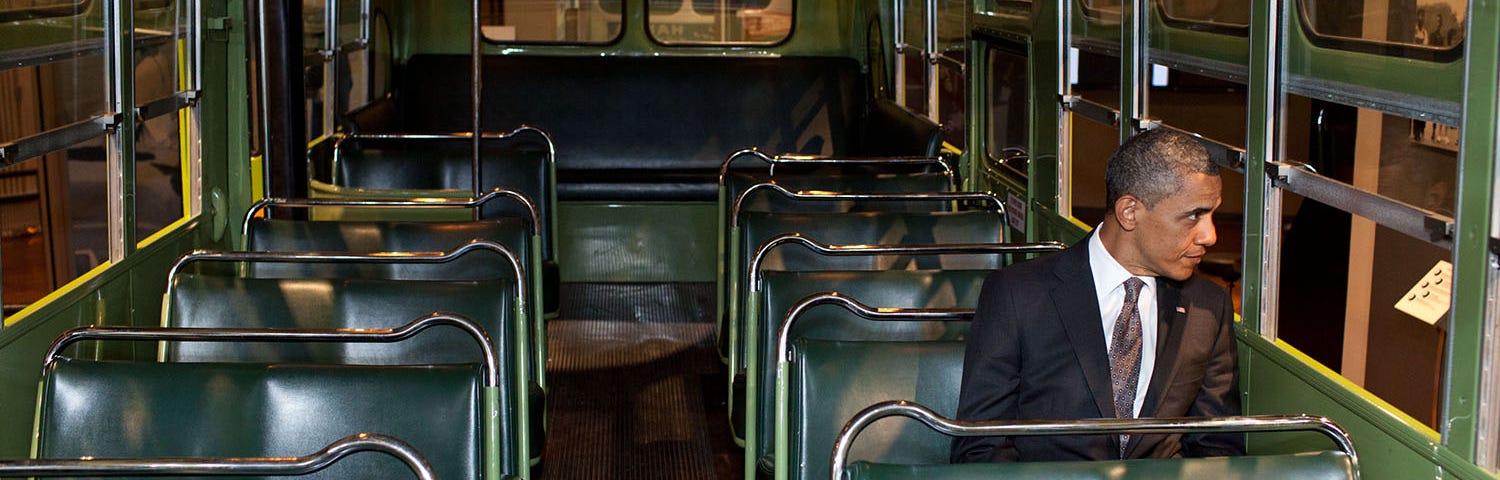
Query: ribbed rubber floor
{"points": [[635, 385]]}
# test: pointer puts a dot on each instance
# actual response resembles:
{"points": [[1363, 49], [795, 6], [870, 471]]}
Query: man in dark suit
{"points": [[1116, 326]]}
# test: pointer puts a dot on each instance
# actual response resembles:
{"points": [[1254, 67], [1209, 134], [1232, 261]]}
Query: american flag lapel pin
{"points": [[1181, 309]]}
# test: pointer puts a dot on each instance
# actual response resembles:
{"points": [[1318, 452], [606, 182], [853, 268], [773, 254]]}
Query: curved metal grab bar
{"points": [[339, 143], [266, 204], [885, 314], [339, 257], [288, 335], [734, 212], [228, 466], [919, 249], [955, 428], [827, 160]]}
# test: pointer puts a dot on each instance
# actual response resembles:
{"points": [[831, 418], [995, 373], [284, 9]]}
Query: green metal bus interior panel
{"points": [[637, 242], [1277, 381], [1215, 47]]}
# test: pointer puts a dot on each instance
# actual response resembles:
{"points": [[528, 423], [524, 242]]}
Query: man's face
{"points": [[1175, 232]]}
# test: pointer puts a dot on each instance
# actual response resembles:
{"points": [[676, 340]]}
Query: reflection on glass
{"points": [[951, 100], [354, 81], [86, 208], [1425, 23], [551, 21], [759, 22], [1235, 13], [1098, 78], [349, 14], [158, 175], [915, 85], [1009, 112]]}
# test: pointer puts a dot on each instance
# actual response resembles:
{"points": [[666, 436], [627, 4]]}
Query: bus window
{"points": [[551, 21], [1009, 113], [1091, 143], [1342, 275], [720, 22], [1206, 13], [1419, 29], [159, 75], [20, 10], [951, 47]]}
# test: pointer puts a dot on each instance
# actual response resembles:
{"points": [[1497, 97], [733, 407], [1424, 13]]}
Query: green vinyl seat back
{"points": [[278, 235], [857, 228], [781, 291], [148, 409], [403, 168], [832, 380], [1326, 465], [227, 301]]}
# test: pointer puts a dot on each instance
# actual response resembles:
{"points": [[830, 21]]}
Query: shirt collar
{"points": [[1108, 273]]}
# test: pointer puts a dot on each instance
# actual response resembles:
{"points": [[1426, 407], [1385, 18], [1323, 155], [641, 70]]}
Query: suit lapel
{"points": [[1078, 308]]}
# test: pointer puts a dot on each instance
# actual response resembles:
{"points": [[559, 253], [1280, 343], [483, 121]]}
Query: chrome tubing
{"points": [[227, 466], [287, 335], [267, 204], [955, 428], [339, 257], [826, 160], [884, 314], [811, 195], [920, 249]]}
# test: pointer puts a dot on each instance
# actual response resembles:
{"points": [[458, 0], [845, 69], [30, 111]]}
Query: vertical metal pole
{"points": [[1262, 200], [1133, 61], [332, 107], [477, 89], [366, 39], [1062, 192], [194, 113], [898, 24], [119, 41], [930, 54]]}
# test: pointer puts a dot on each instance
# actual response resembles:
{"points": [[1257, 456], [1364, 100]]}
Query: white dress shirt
{"points": [[1109, 285]]}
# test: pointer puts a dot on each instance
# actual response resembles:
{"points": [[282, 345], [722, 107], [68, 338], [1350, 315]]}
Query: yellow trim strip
{"points": [[951, 148], [183, 135]]}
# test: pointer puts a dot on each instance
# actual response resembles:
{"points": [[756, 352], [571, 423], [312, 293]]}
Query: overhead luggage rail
{"points": [[475, 202], [950, 427], [773, 161], [811, 195], [363, 335], [223, 466]]}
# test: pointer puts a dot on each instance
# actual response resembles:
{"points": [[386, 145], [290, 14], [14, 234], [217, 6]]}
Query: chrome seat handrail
{"points": [[773, 161], [956, 428], [228, 466], [915, 249], [883, 314], [287, 335], [817, 195], [473, 202]]}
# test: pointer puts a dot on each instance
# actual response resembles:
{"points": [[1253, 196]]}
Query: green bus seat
{"points": [[378, 167], [831, 380], [148, 409], [894, 289], [854, 228], [1327, 465]]}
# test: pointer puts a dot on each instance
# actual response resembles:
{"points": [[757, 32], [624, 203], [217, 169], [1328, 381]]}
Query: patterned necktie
{"points": [[1125, 355]]}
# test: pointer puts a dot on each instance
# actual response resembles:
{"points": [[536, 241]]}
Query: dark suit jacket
{"points": [[1036, 351]]}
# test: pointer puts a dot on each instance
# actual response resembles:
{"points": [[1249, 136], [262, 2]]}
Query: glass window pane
{"points": [[551, 21], [20, 10], [720, 22], [86, 207], [1424, 24], [951, 101], [1092, 142], [1229, 13], [354, 81], [1009, 113], [349, 15], [1341, 277], [158, 175], [915, 85], [158, 32]]}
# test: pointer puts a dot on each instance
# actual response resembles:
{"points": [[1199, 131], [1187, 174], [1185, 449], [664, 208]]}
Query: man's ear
{"points": [[1126, 208]]}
